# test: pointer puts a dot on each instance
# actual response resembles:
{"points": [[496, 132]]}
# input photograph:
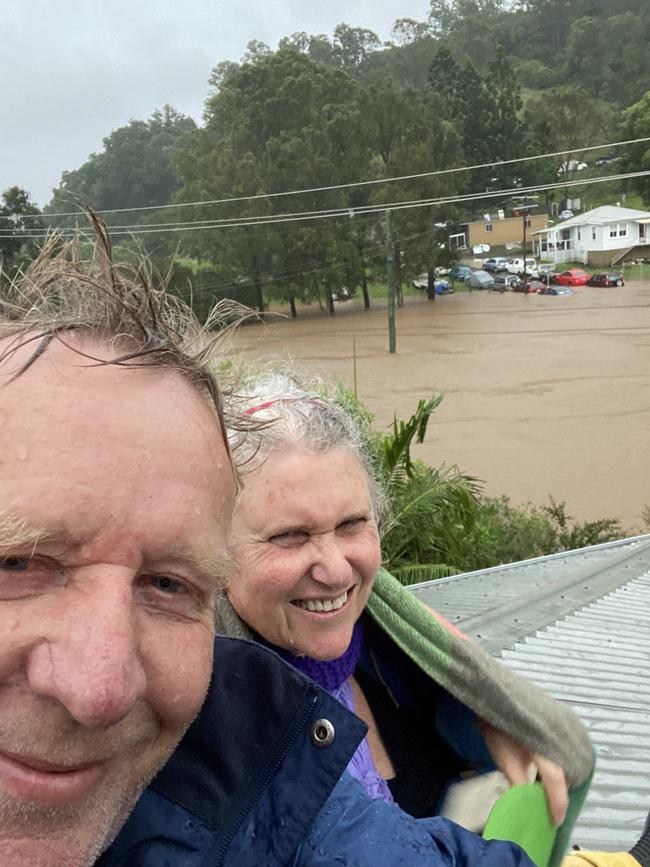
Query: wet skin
{"points": [[304, 537], [116, 493]]}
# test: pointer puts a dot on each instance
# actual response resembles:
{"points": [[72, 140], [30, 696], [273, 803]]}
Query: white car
{"points": [[516, 266]]}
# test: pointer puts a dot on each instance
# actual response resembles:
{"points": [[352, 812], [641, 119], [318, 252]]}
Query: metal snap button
{"points": [[322, 733]]}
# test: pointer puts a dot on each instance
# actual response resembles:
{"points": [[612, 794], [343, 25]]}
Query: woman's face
{"points": [[307, 550]]}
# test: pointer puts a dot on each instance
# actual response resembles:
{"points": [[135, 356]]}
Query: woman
{"points": [[306, 546]]}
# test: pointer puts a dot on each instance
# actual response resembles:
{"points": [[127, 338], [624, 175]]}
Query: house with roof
{"points": [[578, 625], [603, 237]]}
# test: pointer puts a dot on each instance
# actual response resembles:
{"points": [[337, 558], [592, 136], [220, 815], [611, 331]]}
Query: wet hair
{"points": [[63, 297], [290, 411]]}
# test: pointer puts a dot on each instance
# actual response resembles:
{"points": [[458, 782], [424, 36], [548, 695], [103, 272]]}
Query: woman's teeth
{"points": [[323, 604]]}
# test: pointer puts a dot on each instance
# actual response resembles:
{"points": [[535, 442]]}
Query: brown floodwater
{"points": [[544, 395]]}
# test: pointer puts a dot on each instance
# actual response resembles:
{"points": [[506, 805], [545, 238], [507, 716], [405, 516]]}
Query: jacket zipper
{"points": [[298, 724]]}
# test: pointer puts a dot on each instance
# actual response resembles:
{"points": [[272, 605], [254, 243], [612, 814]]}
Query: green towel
{"points": [[485, 685]]}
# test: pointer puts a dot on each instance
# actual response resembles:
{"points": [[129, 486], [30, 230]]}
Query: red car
{"points": [[572, 277]]}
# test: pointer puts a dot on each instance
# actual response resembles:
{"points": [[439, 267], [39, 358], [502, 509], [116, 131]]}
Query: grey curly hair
{"points": [[287, 410]]}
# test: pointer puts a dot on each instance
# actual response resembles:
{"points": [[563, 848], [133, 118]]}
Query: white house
{"points": [[604, 236]]}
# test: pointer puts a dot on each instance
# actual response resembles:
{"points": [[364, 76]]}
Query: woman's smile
{"points": [[307, 550], [323, 606]]}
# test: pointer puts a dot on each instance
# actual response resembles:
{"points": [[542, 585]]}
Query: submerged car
{"points": [[606, 278], [531, 287], [572, 277], [556, 290]]}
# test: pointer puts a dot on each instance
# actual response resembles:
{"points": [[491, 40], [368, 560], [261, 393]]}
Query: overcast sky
{"points": [[73, 70]]}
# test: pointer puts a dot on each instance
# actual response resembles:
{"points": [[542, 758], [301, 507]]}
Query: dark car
{"points": [[460, 272], [531, 287], [606, 278]]}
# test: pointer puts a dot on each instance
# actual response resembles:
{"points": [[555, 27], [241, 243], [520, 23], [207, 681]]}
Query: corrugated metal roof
{"points": [[578, 625]]}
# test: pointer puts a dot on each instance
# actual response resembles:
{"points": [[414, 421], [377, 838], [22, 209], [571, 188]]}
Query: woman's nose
{"points": [[331, 565]]}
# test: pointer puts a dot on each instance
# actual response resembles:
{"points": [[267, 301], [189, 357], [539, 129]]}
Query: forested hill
{"points": [[599, 45], [479, 83]]}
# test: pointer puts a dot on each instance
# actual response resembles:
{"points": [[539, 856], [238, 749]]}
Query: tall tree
{"points": [[568, 119], [17, 223], [134, 169], [277, 123], [636, 124]]}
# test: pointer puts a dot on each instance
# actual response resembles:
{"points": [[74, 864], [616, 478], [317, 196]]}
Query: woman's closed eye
{"points": [[352, 525], [290, 538]]}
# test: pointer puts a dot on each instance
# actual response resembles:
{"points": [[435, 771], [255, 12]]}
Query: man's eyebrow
{"points": [[17, 532], [218, 566]]}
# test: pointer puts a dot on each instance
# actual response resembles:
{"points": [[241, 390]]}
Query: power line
{"points": [[354, 184], [306, 216]]}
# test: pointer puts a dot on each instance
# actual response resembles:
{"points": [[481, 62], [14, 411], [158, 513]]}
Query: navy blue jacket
{"points": [[258, 781]]}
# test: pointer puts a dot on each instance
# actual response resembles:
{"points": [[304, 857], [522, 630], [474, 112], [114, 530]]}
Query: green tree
{"points": [[635, 123], [135, 168], [17, 222], [567, 118], [277, 123]]}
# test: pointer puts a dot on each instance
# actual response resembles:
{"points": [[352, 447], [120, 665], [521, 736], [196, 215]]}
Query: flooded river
{"points": [[543, 395]]}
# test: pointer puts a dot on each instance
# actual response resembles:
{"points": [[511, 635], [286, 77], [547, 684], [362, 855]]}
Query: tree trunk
{"points": [[259, 292], [330, 301], [431, 285], [292, 306], [364, 278]]}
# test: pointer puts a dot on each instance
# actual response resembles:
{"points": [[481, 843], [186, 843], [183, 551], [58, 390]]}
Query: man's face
{"points": [[115, 499]]}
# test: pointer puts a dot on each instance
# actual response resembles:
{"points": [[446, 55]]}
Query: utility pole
{"points": [[525, 210], [390, 276]]}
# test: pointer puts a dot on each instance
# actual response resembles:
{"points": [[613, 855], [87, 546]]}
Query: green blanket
{"points": [[482, 683]]}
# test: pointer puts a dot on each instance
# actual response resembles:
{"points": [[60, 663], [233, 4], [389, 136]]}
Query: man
{"points": [[116, 493]]}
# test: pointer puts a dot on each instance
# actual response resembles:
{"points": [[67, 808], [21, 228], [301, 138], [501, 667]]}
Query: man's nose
{"points": [[89, 662], [331, 565]]}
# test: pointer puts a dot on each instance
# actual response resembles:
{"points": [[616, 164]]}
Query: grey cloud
{"points": [[75, 71]]}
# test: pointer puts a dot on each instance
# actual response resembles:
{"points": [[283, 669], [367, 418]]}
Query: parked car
{"points": [[460, 272], [516, 265], [606, 278], [572, 277], [531, 287], [556, 290], [543, 271], [606, 160], [503, 282], [566, 214], [572, 166], [480, 280], [496, 263], [421, 281]]}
